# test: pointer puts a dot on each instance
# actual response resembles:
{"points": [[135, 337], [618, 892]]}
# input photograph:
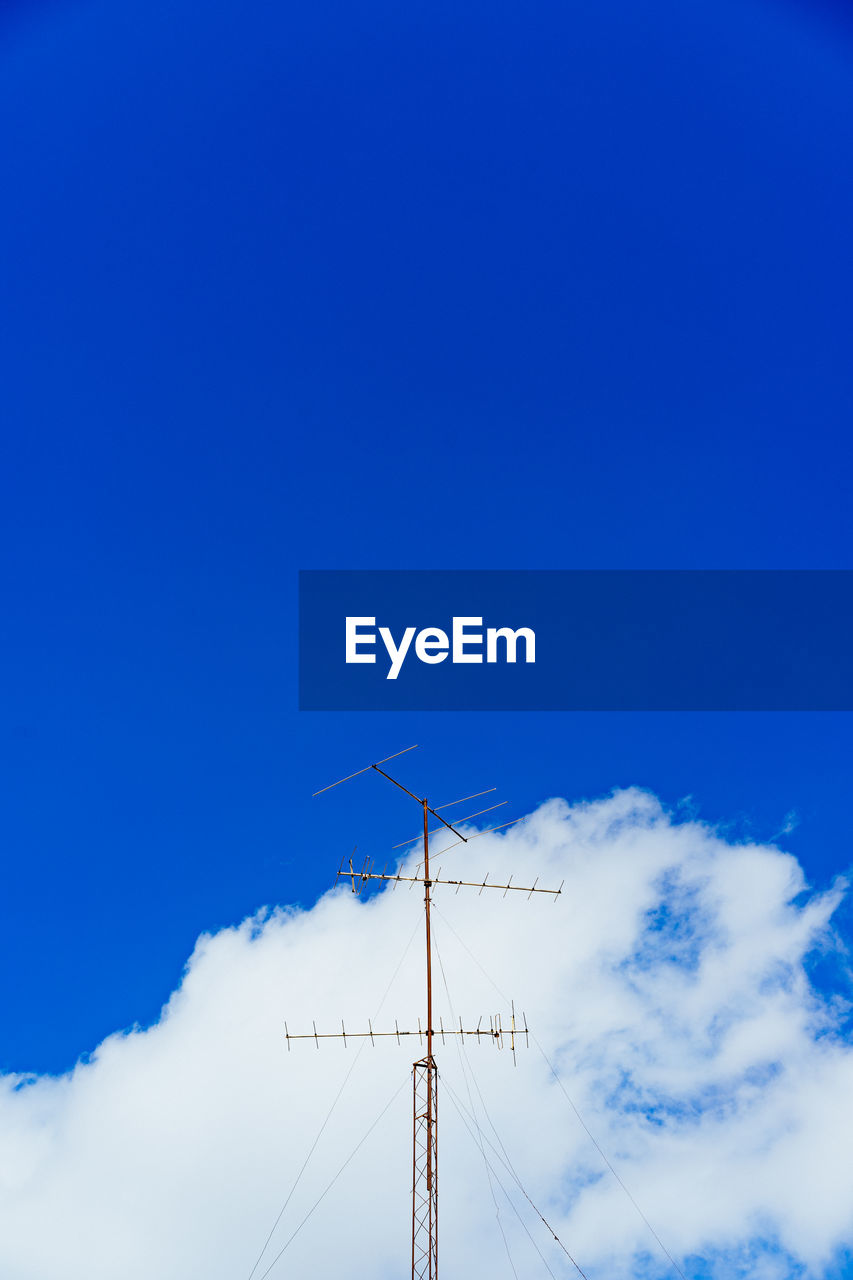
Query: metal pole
{"points": [[432, 1135], [425, 1138], [428, 934]]}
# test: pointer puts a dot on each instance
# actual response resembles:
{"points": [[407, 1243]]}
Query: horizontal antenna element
{"points": [[467, 818], [451, 803], [487, 832], [366, 768]]}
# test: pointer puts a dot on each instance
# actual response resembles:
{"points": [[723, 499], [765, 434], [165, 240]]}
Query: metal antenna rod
{"points": [[425, 1138], [428, 933]]}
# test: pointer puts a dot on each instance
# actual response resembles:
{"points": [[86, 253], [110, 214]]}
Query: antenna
{"points": [[425, 1070]]}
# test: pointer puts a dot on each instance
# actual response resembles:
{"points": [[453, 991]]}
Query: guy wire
{"points": [[571, 1102], [335, 1102]]}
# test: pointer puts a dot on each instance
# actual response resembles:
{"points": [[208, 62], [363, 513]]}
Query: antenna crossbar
{"points": [[495, 1033], [361, 877], [462, 799], [366, 768]]}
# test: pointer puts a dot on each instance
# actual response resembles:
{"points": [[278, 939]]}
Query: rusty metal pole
{"points": [[428, 934], [432, 1110], [425, 1138]]}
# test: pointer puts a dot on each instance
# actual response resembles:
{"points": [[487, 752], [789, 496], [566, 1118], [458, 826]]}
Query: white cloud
{"points": [[667, 985]]}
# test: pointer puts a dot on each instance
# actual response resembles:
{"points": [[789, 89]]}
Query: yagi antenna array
{"points": [[358, 879], [425, 1071], [494, 1033]]}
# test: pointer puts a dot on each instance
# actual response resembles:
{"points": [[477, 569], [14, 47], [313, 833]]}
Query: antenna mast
{"points": [[424, 1070], [425, 1123]]}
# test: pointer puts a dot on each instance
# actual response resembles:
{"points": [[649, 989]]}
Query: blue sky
{"points": [[327, 286]]}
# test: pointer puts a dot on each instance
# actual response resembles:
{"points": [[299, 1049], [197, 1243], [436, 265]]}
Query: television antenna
{"points": [[425, 1070]]}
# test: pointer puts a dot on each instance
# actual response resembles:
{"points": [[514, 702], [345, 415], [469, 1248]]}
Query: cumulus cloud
{"points": [[668, 987]]}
